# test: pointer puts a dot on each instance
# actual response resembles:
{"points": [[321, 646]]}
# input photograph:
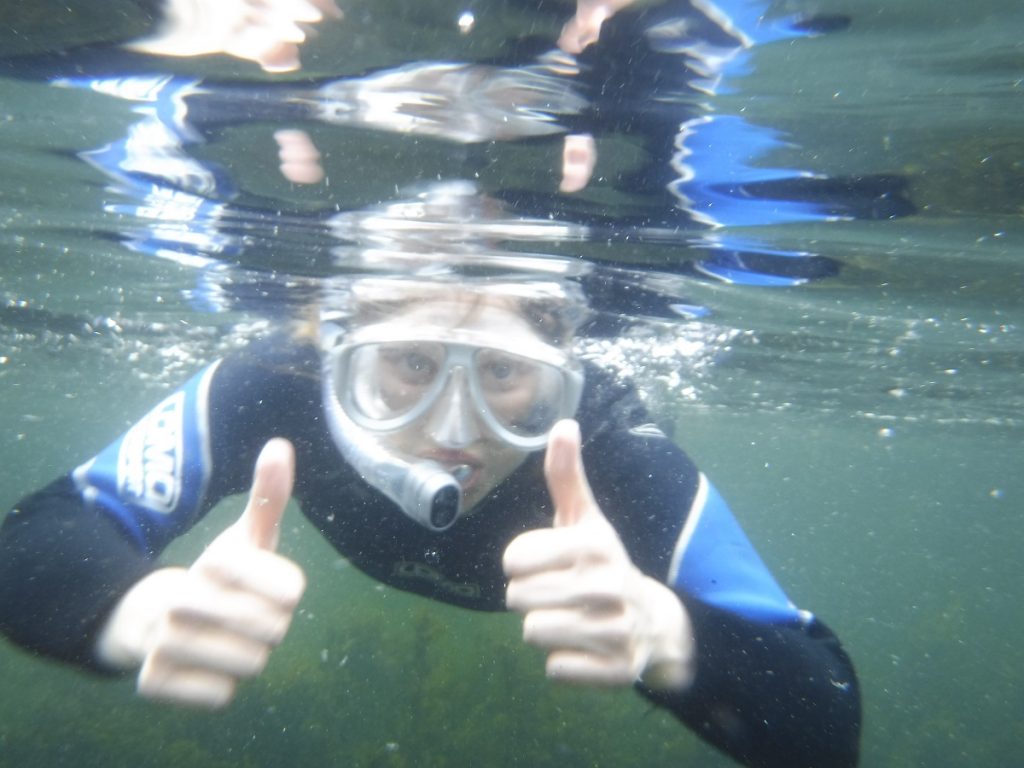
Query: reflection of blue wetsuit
{"points": [[773, 686], [646, 83]]}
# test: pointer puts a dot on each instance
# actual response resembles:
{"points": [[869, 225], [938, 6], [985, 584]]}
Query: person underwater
{"points": [[444, 437]]}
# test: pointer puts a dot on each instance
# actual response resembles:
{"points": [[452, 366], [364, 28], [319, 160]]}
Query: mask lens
{"points": [[524, 396], [389, 380], [388, 385]]}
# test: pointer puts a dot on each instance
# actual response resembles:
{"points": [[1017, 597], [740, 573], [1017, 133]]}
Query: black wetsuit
{"points": [[773, 686]]}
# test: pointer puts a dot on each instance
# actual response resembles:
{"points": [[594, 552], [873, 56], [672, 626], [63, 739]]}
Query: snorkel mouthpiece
{"points": [[430, 496]]}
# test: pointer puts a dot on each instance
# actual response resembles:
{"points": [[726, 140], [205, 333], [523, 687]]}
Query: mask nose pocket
{"points": [[453, 422]]}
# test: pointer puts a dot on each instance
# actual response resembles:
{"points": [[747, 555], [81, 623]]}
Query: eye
{"points": [[413, 364], [417, 363], [500, 369], [501, 372]]}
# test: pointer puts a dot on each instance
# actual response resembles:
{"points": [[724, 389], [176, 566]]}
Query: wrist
{"points": [[671, 660], [128, 633]]}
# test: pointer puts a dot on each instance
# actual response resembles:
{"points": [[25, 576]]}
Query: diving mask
{"points": [[382, 380]]}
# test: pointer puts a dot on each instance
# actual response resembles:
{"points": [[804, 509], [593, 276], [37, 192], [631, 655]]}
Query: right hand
{"points": [[197, 632]]}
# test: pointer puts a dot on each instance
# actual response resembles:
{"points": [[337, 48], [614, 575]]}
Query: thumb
{"points": [[566, 478], [272, 483]]}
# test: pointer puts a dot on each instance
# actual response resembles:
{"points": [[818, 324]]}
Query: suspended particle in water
{"points": [[885, 433]]}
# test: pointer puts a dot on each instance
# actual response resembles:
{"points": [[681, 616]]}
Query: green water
{"points": [[866, 430], [906, 543]]}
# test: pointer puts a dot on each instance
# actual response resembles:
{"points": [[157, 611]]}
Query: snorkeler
{"points": [[616, 74], [446, 440]]}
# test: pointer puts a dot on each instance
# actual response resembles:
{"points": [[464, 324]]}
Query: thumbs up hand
{"points": [[198, 631], [599, 618]]}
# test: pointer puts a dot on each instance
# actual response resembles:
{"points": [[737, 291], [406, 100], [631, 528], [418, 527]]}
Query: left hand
{"points": [[584, 601]]}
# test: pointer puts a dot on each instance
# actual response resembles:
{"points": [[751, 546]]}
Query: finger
{"points": [[250, 612], [211, 649], [164, 681], [597, 592], [271, 44], [571, 629], [267, 575], [328, 8], [540, 550], [579, 156], [539, 591], [300, 159], [583, 29], [590, 669], [566, 478], [276, 57], [272, 484], [240, 614]]}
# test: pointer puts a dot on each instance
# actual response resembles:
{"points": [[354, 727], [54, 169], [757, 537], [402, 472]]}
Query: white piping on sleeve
{"points": [[203, 426], [692, 519]]}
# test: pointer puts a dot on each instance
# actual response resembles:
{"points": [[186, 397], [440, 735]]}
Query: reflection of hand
{"points": [[585, 602], [198, 631], [268, 32], [584, 28], [579, 156], [300, 159]]}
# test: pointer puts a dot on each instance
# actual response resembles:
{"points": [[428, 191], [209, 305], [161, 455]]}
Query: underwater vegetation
{"points": [[368, 677]]}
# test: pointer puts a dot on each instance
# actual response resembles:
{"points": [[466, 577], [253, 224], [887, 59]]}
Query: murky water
{"points": [[850, 381]]}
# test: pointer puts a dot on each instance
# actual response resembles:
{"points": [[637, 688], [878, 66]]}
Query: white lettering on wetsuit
{"points": [[149, 466], [423, 572]]}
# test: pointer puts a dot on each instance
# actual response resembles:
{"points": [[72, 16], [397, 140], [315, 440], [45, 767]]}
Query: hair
{"points": [[554, 310]]}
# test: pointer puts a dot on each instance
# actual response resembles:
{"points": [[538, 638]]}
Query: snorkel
{"points": [[423, 489], [434, 396]]}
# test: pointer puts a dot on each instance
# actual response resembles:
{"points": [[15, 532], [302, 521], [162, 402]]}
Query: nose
{"points": [[453, 421]]}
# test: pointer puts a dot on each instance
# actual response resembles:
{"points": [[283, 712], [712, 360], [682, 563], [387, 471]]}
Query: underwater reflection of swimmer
{"points": [[267, 32], [444, 437], [648, 84]]}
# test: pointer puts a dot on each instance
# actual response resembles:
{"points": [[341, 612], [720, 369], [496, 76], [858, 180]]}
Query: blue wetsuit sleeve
{"points": [[63, 567], [714, 562], [773, 687], [152, 480], [69, 551]]}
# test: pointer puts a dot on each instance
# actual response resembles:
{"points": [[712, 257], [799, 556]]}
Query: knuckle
{"points": [[604, 590], [279, 630], [512, 596], [531, 631], [254, 664]]}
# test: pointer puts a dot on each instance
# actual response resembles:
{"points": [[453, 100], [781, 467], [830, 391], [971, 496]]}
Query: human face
{"points": [[434, 382]]}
